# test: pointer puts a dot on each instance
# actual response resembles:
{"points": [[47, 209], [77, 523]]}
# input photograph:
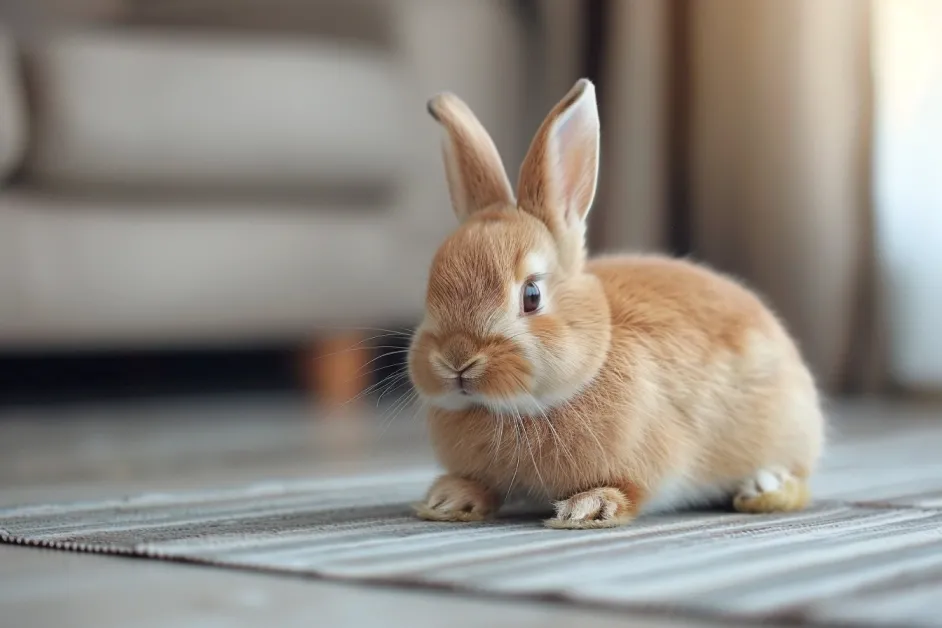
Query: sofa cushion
{"points": [[175, 109], [13, 131], [365, 21], [92, 273]]}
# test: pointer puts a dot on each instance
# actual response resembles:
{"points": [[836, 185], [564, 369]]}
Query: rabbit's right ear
{"points": [[476, 176]]}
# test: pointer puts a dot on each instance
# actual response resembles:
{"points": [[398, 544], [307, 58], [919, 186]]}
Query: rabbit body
{"points": [[611, 387]]}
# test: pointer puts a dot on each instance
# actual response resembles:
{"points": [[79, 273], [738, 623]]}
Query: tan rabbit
{"points": [[614, 386]]}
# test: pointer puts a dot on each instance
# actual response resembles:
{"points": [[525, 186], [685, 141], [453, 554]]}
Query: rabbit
{"points": [[607, 387]]}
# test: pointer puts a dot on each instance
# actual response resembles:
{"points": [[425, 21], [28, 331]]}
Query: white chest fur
{"points": [[681, 492]]}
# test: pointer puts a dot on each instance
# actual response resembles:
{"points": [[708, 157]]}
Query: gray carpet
{"points": [[868, 552]]}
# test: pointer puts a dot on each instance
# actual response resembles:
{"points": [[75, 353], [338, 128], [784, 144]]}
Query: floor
{"points": [[86, 452]]}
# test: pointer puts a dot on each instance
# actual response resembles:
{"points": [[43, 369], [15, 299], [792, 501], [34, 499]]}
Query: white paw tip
{"points": [[563, 510], [767, 481], [586, 508]]}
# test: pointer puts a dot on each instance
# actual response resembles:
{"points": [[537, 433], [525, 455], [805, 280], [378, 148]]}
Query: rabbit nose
{"points": [[459, 353], [463, 370], [467, 372]]}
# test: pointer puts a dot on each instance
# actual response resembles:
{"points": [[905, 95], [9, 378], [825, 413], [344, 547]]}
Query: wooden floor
{"points": [[98, 451]]}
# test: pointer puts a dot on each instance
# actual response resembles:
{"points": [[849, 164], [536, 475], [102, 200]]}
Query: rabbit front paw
{"points": [[454, 498], [597, 508]]}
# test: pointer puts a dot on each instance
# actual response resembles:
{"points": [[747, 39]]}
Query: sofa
{"points": [[206, 172]]}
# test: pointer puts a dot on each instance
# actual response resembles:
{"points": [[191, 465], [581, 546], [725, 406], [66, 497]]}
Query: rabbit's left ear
{"points": [[559, 175], [476, 176]]}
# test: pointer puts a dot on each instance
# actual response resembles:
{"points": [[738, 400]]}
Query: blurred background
{"points": [[222, 196]]}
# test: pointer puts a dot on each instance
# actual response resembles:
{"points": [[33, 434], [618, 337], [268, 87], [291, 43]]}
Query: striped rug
{"points": [[868, 552]]}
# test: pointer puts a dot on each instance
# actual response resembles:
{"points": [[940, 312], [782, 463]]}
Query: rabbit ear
{"points": [[558, 178], [476, 175]]}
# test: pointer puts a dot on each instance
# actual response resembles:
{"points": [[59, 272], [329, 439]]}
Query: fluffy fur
{"points": [[642, 383]]}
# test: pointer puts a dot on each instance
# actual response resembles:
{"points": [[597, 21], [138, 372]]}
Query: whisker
{"points": [[410, 399], [335, 330], [380, 357], [379, 369], [556, 437], [369, 389], [585, 424], [355, 347], [391, 386], [397, 406], [500, 435], [498, 429], [526, 436], [516, 458]]}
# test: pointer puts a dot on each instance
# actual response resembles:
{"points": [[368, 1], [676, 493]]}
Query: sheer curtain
{"points": [[740, 132], [908, 185], [778, 156]]}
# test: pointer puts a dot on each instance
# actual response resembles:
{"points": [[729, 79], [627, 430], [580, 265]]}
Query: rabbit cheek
{"points": [[420, 369], [546, 346], [548, 334], [508, 375]]}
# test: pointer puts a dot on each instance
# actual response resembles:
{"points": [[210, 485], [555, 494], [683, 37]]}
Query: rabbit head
{"points": [[512, 321]]}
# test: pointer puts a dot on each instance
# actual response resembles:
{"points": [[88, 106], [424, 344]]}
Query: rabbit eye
{"points": [[531, 297]]}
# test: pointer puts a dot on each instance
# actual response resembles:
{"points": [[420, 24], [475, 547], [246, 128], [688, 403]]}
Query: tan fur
{"points": [[642, 371], [793, 495], [605, 507], [453, 498], [475, 174]]}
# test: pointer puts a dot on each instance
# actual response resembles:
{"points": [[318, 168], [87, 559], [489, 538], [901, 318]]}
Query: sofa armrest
{"points": [[13, 120]]}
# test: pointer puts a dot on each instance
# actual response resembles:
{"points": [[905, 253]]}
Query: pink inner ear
{"points": [[575, 142], [566, 139], [558, 176]]}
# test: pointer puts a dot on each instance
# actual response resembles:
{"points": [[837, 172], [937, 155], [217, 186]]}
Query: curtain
{"points": [[13, 119], [779, 174], [739, 132], [907, 59]]}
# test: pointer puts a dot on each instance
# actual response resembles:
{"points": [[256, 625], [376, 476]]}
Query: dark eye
{"points": [[531, 297]]}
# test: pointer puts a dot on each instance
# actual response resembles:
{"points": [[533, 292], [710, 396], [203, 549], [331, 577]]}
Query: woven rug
{"points": [[868, 552]]}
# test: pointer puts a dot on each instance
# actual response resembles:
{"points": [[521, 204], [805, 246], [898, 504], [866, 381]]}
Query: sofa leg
{"points": [[335, 368]]}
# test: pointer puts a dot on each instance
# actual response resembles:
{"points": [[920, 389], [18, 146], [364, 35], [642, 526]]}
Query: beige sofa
{"points": [[169, 181]]}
